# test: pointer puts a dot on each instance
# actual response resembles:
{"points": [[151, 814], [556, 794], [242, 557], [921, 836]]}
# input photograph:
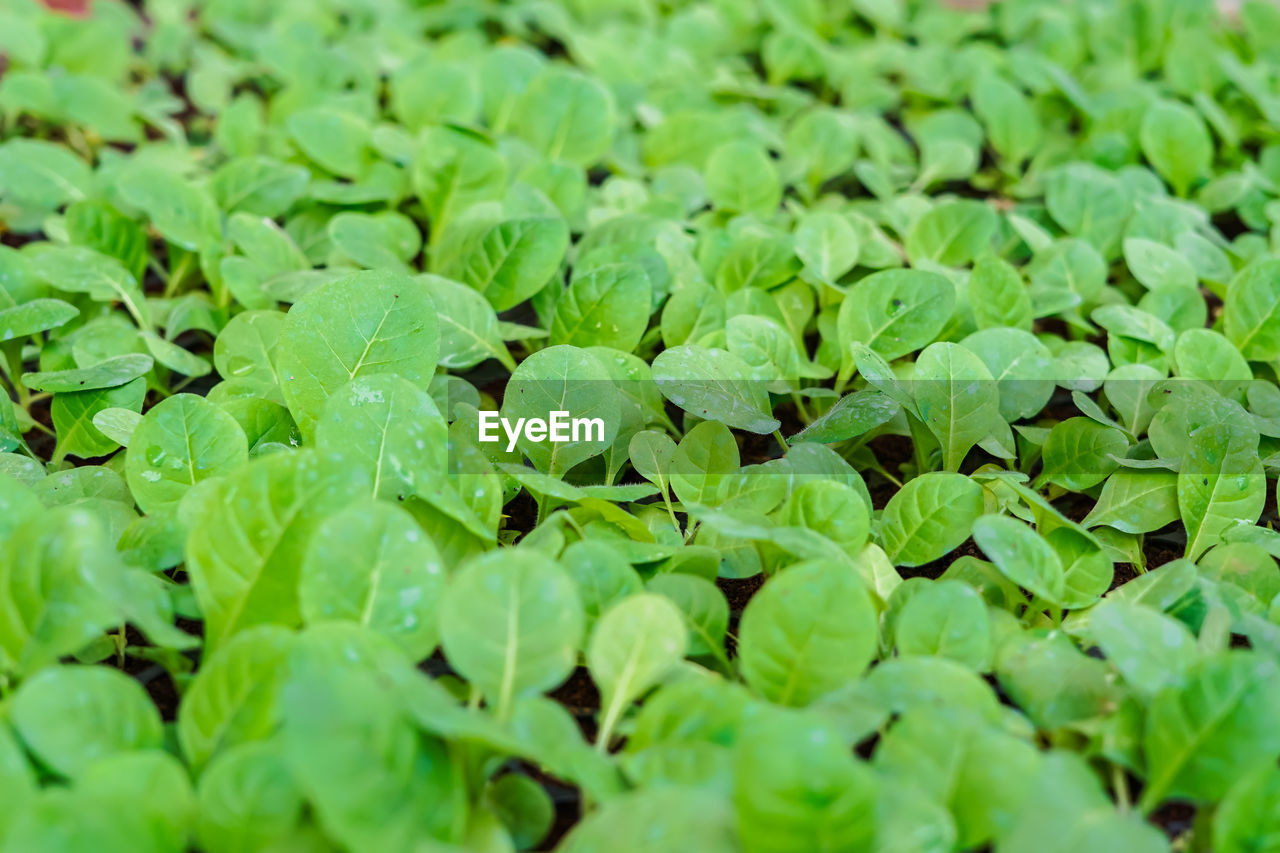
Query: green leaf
{"points": [[378, 241], [245, 555], [1008, 117], [79, 270], [365, 324], [562, 379], [334, 138], [370, 563], [100, 226], [1066, 810], [1203, 735], [853, 415], [929, 516], [714, 384], [50, 607], [1251, 315], [998, 295], [247, 348], [73, 416], [511, 623], [1080, 453], [1221, 483], [1249, 811], [183, 213], [741, 178], [1156, 265], [1021, 555], [372, 779], [809, 630], [954, 757], [1149, 649], [607, 306], [947, 619], [427, 91], [258, 186], [247, 796], [601, 575], [180, 442], [523, 806], [469, 329], [1090, 203], [233, 698], [1176, 143], [635, 643], [652, 454], [797, 787], [31, 318], [951, 234], [389, 429], [72, 716], [175, 357], [895, 312], [1136, 501], [1208, 355], [511, 261], [115, 371], [42, 174], [704, 608], [957, 398], [658, 819], [827, 244], [565, 115]]}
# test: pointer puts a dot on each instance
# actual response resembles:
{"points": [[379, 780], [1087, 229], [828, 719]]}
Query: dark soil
{"points": [[892, 452], [738, 592], [754, 449], [934, 569], [153, 677], [1174, 819], [1157, 553], [436, 666], [41, 443], [580, 698], [566, 799], [521, 513], [1124, 572]]}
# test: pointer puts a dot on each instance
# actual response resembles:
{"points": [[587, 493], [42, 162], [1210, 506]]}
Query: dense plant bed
{"points": [[910, 490]]}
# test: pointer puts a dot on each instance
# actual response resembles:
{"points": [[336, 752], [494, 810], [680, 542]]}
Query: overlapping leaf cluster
{"points": [[954, 326]]}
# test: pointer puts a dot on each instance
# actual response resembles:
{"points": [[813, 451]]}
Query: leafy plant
{"points": [[929, 365]]}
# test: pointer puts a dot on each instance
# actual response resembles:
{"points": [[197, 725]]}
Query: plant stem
{"points": [[178, 274], [805, 416], [1120, 785], [606, 726], [671, 513], [13, 370]]}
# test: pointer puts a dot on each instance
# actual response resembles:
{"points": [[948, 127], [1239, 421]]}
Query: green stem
{"points": [[880, 469], [777, 433], [178, 274], [1120, 785], [805, 416], [611, 716], [671, 513], [917, 433], [44, 429], [13, 371]]}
